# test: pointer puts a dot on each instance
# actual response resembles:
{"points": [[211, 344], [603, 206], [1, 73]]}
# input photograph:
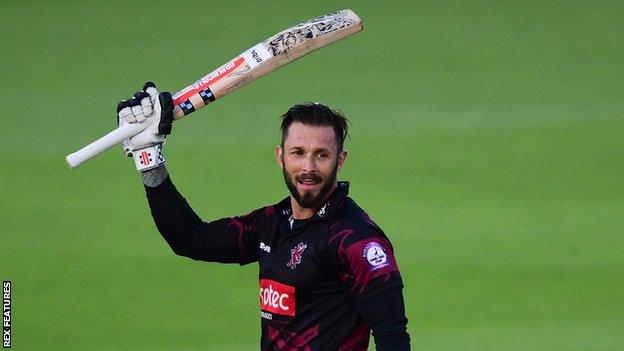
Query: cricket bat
{"points": [[262, 58]]}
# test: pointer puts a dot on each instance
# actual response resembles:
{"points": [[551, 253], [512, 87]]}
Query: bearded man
{"points": [[327, 272]]}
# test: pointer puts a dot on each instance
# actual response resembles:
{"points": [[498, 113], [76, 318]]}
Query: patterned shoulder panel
{"points": [[362, 254], [352, 218]]}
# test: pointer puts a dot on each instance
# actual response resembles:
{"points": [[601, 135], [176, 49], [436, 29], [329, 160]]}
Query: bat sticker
{"points": [[256, 55]]}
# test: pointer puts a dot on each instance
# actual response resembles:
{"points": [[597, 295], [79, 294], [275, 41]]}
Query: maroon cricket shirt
{"points": [[325, 282]]}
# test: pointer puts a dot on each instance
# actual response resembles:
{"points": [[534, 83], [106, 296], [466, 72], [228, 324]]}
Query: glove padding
{"points": [[154, 109]]}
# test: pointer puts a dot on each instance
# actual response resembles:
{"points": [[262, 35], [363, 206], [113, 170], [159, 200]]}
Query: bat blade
{"points": [[264, 57]]}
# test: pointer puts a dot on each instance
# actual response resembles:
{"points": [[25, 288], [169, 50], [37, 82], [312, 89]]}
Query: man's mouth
{"points": [[309, 180]]}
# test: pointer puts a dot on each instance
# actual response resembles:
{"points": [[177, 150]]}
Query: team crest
{"points": [[296, 255]]}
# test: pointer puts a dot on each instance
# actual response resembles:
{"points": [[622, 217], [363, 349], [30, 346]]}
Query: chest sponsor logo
{"points": [[277, 298], [296, 254], [375, 255]]}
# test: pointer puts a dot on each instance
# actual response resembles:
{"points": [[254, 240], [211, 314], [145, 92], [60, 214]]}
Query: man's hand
{"points": [[156, 111]]}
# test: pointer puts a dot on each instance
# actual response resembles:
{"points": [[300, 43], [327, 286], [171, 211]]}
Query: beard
{"points": [[308, 199]]}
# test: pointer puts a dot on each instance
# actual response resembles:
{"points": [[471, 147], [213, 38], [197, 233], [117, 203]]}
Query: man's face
{"points": [[310, 161]]}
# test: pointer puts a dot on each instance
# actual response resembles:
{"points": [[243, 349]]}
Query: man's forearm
{"points": [[385, 314], [155, 177], [187, 235]]}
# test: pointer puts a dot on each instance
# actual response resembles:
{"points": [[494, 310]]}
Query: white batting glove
{"points": [[156, 111]]}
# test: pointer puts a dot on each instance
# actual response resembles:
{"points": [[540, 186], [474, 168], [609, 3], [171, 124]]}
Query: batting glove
{"points": [[156, 111]]}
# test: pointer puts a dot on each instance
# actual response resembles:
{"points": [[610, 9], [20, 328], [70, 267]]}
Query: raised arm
{"points": [[227, 240]]}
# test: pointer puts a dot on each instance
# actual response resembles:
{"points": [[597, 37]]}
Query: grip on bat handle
{"points": [[104, 143]]}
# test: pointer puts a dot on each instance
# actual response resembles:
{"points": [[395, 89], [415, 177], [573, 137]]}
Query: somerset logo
{"points": [[277, 298], [296, 255]]}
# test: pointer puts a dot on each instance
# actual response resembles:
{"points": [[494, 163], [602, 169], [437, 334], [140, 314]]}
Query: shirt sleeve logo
{"points": [[296, 254], [375, 255]]}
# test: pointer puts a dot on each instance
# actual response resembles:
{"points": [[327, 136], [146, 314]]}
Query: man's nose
{"points": [[309, 163]]}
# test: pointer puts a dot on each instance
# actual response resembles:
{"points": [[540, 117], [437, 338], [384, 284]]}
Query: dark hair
{"points": [[316, 115]]}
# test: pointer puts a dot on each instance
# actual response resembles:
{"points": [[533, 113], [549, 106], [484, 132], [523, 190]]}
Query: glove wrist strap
{"points": [[148, 158]]}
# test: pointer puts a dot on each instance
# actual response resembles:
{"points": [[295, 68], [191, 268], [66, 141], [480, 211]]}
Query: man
{"points": [[328, 275]]}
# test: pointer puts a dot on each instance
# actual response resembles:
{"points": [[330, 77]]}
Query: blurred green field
{"points": [[487, 140]]}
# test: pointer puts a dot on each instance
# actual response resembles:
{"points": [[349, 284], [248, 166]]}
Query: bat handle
{"points": [[104, 143]]}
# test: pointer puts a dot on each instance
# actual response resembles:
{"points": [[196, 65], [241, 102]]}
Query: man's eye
{"points": [[321, 155], [297, 152]]}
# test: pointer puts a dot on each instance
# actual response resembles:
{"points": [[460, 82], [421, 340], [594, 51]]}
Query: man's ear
{"points": [[342, 157], [279, 152]]}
